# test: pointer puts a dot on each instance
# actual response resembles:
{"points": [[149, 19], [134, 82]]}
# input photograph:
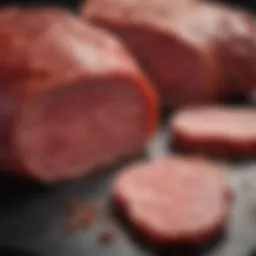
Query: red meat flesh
{"points": [[174, 199], [85, 125], [219, 130]]}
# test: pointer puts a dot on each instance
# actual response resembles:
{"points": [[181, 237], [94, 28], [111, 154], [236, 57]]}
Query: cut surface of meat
{"points": [[219, 130], [174, 199], [64, 130], [81, 101], [195, 53]]}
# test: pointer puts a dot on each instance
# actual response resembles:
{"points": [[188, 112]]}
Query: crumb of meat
{"points": [[106, 237]]}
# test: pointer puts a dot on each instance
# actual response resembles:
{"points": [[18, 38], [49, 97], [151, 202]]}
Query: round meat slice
{"points": [[74, 98], [218, 130], [174, 199]]}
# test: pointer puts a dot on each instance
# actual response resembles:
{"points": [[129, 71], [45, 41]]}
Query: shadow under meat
{"points": [[12, 251], [217, 152]]}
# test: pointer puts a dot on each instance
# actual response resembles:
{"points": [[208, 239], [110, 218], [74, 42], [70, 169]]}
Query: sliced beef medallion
{"points": [[216, 130], [195, 53], [174, 200], [180, 62], [78, 99]]}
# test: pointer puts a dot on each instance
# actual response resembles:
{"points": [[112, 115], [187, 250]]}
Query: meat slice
{"points": [[77, 99], [218, 130], [181, 63], [194, 53], [174, 199]]}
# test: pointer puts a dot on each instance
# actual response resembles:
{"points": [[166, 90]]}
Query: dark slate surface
{"points": [[33, 218]]}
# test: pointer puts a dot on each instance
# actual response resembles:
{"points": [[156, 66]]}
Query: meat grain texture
{"points": [[216, 130], [191, 51], [174, 200], [73, 97]]}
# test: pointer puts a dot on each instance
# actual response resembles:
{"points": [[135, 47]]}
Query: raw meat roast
{"points": [[72, 98]]}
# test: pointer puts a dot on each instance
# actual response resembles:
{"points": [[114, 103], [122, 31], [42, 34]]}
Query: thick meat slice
{"points": [[223, 131], [174, 199], [80, 101], [180, 63], [194, 53]]}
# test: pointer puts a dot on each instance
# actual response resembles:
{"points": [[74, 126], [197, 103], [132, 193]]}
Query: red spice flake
{"points": [[106, 237], [80, 215], [74, 208], [89, 215]]}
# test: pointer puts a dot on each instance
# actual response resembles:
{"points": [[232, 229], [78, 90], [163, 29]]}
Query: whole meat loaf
{"points": [[216, 130], [191, 51], [174, 200], [72, 98]]}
